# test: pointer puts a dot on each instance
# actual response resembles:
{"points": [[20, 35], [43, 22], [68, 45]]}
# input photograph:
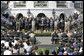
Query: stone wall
{"points": [[47, 12]]}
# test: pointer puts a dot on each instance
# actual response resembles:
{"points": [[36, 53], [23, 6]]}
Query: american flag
{"points": [[3, 19]]}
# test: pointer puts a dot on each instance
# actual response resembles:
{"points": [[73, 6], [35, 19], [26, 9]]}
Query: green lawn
{"points": [[43, 34], [47, 48]]}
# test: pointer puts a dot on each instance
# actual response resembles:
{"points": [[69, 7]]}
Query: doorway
{"points": [[41, 15], [62, 17], [19, 15]]}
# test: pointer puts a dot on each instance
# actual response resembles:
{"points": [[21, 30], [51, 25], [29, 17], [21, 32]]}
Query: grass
{"points": [[47, 48], [43, 34]]}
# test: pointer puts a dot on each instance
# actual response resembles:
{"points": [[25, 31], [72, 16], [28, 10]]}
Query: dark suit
{"points": [[54, 37], [29, 24], [33, 40], [47, 21], [65, 37], [51, 25], [42, 24]]}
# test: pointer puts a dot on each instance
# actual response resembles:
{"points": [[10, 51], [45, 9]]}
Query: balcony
{"points": [[40, 4], [61, 4], [19, 4], [78, 5]]}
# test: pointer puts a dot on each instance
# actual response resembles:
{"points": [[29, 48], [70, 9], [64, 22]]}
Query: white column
{"points": [[11, 4], [52, 4], [70, 4], [30, 4], [56, 3]]}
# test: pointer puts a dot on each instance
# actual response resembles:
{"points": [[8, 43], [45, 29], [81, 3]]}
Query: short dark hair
{"points": [[46, 52], [35, 47], [2, 44], [21, 45], [7, 48], [10, 44], [41, 53], [16, 46], [25, 51], [28, 43]]}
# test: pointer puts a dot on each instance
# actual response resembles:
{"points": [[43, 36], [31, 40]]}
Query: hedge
{"points": [[43, 34]]}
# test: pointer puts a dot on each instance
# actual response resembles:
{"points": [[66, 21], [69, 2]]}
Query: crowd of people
{"points": [[23, 43], [16, 43], [23, 46], [17, 46], [43, 23], [70, 43]]}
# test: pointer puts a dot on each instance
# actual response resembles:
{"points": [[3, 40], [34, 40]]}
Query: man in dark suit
{"points": [[51, 24], [47, 21], [32, 38], [29, 23], [54, 37], [42, 24], [37, 23], [64, 37]]}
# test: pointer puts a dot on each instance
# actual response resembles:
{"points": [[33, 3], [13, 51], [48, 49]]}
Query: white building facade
{"points": [[49, 8]]}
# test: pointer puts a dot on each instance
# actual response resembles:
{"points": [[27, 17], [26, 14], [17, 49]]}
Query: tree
{"points": [[4, 6]]}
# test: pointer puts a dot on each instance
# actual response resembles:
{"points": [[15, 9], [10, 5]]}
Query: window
{"points": [[19, 4], [40, 1], [78, 5], [61, 3], [40, 4]]}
